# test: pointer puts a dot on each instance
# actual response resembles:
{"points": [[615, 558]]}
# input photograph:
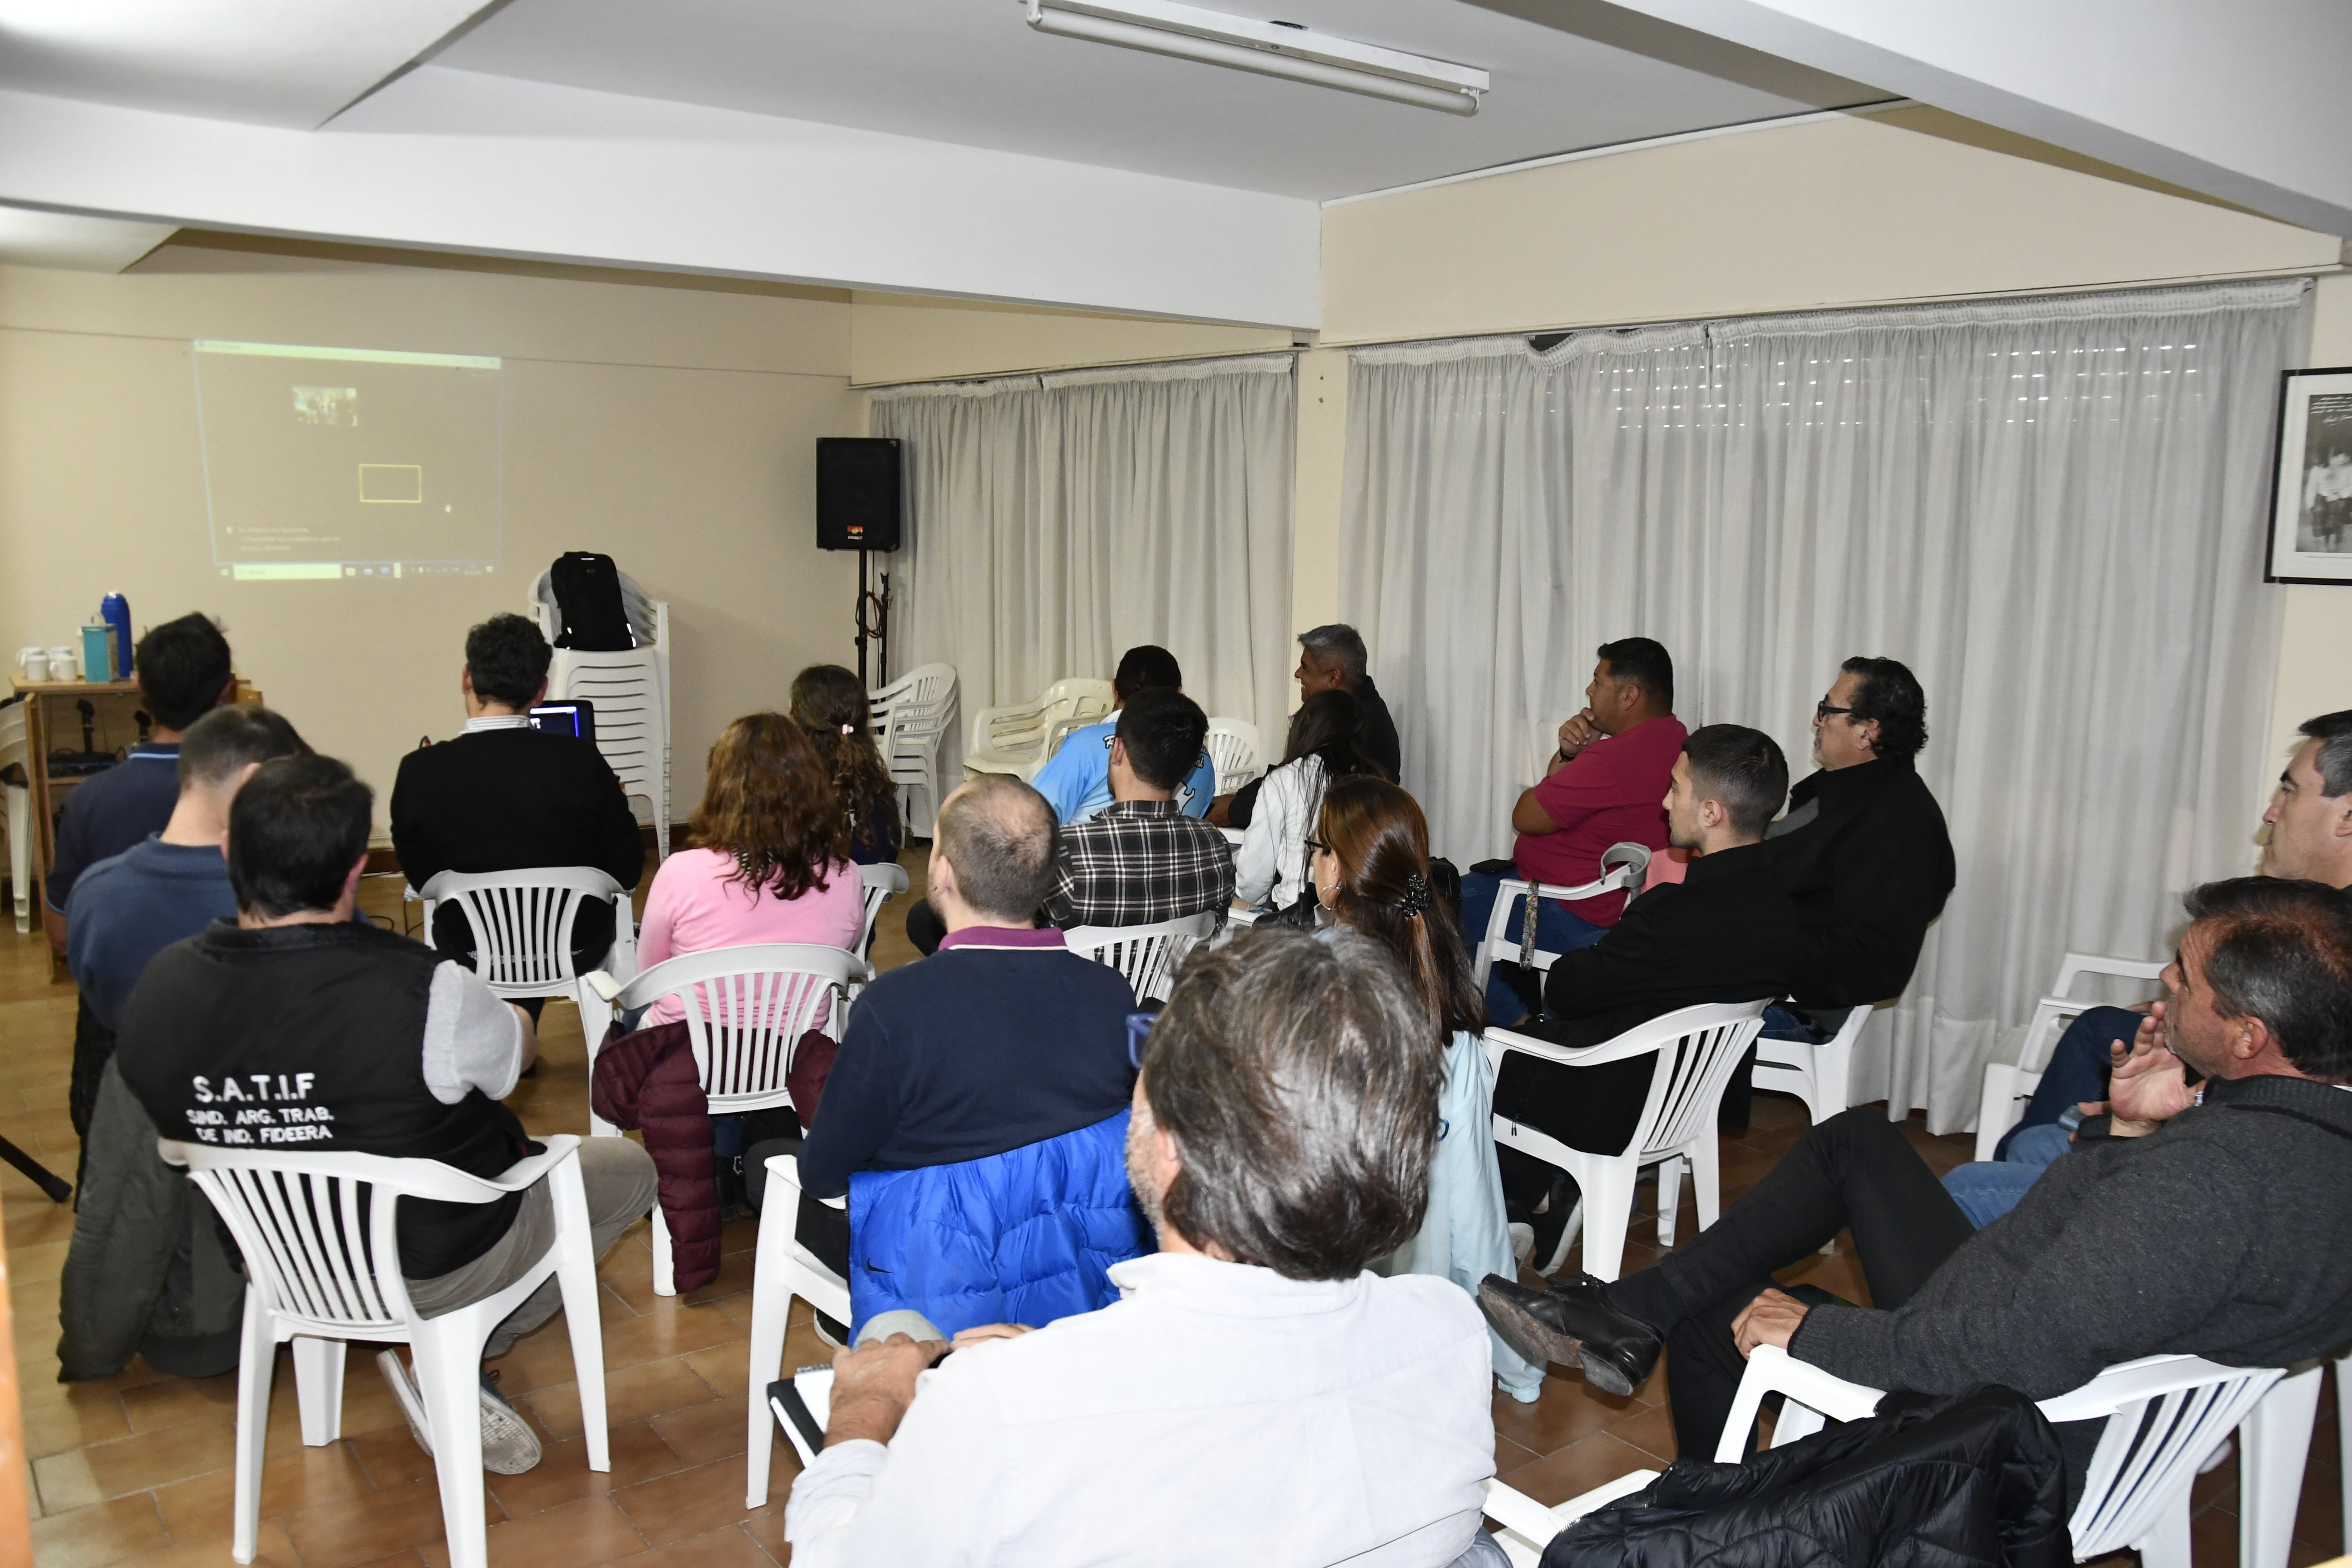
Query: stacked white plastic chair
{"points": [[783, 1269], [322, 1267], [911, 716], [745, 1010], [13, 751], [1021, 737], [1233, 745], [629, 691], [1149, 955], [2006, 1089], [1623, 867], [2164, 1413], [1697, 1051], [521, 923]]}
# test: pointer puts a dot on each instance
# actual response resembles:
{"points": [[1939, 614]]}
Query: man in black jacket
{"points": [[2169, 1231], [504, 796], [1726, 933], [1863, 853], [1330, 659]]}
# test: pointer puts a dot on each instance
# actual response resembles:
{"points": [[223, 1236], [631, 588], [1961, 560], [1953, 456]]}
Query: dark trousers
{"points": [[1854, 1171], [2078, 1069], [924, 927], [93, 1048]]}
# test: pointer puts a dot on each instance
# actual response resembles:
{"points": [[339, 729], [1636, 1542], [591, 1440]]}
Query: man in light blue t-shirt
{"points": [[1077, 781]]}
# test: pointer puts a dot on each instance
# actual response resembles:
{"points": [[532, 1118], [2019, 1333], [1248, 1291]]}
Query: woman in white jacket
{"points": [[1270, 867]]}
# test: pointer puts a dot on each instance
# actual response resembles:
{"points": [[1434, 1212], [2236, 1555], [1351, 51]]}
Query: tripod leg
{"points": [[58, 1189]]}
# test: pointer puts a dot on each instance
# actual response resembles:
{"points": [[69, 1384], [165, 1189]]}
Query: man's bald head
{"points": [[1000, 835]]}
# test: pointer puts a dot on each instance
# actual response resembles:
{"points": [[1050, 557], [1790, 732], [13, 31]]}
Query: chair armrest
{"points": [[984, 723], [529, 1169], [786, 1169], [604, 984], [1615, 1051]]}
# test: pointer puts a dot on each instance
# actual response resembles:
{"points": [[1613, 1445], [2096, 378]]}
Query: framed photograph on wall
{"points": [[2311, 499]]}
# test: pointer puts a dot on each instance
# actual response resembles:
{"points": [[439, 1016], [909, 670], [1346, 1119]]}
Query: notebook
{"points": [[802, 1404]]}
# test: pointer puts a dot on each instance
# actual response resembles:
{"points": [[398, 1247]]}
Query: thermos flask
{"points": [[115, 610]]}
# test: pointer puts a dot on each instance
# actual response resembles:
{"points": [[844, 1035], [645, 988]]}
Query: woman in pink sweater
{"points": [[770, 861]]}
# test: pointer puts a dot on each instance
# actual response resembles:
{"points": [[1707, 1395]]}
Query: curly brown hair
{"points": [[769, 803], [829, 702]]}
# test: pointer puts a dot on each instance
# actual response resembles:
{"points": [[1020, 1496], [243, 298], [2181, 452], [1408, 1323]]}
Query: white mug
{"points": [[35, 664], [64, 664]]}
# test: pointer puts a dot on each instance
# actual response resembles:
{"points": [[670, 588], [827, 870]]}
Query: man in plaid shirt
{"points": [[1140, 860]]}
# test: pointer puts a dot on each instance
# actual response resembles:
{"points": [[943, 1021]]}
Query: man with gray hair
{"points": [[1000, 1041], [1330, 659], [1257, 1395]]}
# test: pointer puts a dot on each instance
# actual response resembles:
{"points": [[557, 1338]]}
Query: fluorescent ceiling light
{"points": [[1270, 49]]}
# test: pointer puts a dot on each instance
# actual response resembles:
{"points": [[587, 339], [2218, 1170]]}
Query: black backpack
{"points": [[588, 597]]}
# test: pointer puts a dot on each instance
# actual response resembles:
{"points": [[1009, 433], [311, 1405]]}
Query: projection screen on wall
{"points": [[331, 463]]}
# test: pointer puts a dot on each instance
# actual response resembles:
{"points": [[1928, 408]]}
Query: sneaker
{"points": [[1523, 1240], [831, 1331], [510, 1446]]}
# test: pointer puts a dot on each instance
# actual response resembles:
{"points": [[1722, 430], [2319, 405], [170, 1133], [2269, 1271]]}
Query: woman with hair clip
{"points": [[1270, 865], [1372, 871], [829, 703]]}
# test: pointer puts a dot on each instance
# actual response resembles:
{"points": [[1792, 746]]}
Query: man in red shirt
{"points": [[1606, 785]]}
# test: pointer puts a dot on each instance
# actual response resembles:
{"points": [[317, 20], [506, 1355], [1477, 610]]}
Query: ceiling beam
{"points": [[452, 160], [2243, 102]]}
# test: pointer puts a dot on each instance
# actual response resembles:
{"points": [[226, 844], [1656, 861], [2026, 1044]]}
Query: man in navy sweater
{"points": [[1000, 1039]]}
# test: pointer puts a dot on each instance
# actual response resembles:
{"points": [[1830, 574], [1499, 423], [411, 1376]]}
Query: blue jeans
{"points": [[1556, 931], [1988, 1189], [2079, 1065]]}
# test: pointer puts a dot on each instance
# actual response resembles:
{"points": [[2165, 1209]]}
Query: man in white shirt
{"points": [[1256, 1397]]}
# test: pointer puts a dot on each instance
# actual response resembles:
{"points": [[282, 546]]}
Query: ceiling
{"points": [[972, 71]]}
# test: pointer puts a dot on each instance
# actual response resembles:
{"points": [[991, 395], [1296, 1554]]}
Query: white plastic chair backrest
{"points": [[746, 1009], [1233, 746], [1698, 1051], [1148, 955], [523, 921], [2166, 1413], [914, 711], [2055, 1010], [881, 881], [317, 1231], [11, 736]]}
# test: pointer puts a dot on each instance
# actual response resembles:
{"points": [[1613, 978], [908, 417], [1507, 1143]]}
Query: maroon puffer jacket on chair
{"points": [[647, 1079]]}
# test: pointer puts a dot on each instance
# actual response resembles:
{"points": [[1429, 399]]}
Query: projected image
{"points": [[299, 485]]}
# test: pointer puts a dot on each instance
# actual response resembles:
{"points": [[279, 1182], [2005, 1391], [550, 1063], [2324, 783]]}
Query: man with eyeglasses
{"points": [[1863, 853]]}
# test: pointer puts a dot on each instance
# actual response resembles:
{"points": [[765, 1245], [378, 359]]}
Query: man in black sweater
{"points": [[1330, 659], [1864, 854], [504, 796], [2170, 1230], [1726, 933]]}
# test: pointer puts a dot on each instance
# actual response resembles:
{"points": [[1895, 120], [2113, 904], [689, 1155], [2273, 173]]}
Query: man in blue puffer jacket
{"points": [[977, 1113]]}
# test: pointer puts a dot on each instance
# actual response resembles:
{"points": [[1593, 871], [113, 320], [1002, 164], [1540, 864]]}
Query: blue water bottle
{"points": [[115, 611]]}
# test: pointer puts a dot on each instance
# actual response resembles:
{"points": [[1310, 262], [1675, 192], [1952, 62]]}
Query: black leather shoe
{"points": [[1572, 1323]]}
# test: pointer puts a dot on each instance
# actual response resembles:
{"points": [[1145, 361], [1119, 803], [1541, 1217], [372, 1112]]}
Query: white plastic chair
{"points": [[1528, 1526], [2164, 1413], [1020, 737], [745, 1010], [1820, 1074], [629, 690], [2008, 1089], [1148, 955], [1233, 746], [782, 1268], [1697, 1051], [521, 922], [912, 715], [13, 752], [320, 1274], [1623, 867], [882, 882]]}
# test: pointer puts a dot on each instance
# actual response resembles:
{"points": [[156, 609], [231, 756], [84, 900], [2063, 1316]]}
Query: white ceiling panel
{"points": [[267, 62], [972, 71], [67, 240]]}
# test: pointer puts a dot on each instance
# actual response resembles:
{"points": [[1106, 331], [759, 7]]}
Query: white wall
{"points": [[671, 427]]}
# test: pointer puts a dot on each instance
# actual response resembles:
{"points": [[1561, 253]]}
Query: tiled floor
{"points": [[136, 1469]]}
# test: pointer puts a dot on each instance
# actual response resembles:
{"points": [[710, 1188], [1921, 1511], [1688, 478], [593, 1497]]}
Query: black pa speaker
{"points": [[857, 492]]}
